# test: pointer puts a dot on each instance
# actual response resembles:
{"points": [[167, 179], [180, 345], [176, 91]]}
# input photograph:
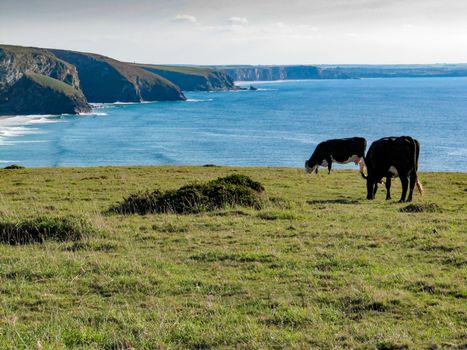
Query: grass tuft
{"points": [[40, 229], [223, 192]]}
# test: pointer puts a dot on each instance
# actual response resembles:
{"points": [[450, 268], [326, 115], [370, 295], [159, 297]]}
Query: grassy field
{"points": [[317, 267]]}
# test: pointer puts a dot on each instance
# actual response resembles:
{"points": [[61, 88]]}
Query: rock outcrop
{"points": [[193, 78], [104, 79], [40, 94]]}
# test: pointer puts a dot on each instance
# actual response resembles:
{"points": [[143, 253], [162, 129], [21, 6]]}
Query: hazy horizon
{"points": [[209, 32]]}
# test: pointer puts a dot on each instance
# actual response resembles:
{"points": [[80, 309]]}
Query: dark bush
{"points": [[14, 166], [420, 208], [227, 191], [40, 229], [240, 180]]}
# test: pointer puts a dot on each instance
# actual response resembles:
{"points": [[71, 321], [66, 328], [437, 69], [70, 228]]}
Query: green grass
{"points": [[317, 267], [53, 84], [200, 71]]}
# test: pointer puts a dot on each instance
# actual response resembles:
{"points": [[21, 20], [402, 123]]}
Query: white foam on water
{"points": [[92, 114], [460, 152], [254, 82], [199, 100], [16, 126], [125, 103], [44, 121], [28, 119]]}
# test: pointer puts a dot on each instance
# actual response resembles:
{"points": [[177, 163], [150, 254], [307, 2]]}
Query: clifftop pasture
{"points": [[317, 266]]}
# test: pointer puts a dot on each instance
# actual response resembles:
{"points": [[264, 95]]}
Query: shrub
{"points": [[420, 208], [14, 166], [227, 191], [44, 228]]}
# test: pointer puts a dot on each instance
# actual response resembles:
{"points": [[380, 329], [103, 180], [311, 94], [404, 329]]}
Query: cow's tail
{"points": [[416, 156], [361, 163], [420, 187]]}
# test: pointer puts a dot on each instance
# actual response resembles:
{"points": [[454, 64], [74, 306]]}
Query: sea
{"points": [[279, 124]]}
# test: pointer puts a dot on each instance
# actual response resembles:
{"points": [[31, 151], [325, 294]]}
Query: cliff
{"points": [[104, 79], [193, 78], [40, 94], [266, 73], [16, 60]]}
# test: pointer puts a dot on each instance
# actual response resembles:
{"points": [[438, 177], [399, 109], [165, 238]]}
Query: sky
{"points": [[244, 31]]}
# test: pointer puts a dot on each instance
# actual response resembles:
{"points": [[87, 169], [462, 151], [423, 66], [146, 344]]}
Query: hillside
{"points": [[40, 94], [104, 79], [193, 78], [17, 60], [317, 267]]}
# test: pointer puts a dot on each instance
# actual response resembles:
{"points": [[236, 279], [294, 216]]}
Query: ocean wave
{"points": [[18, 120], [460, 152], [254, 82], [92, 114], [199, 100], [45, 120], [13, 131], [126, 103]]}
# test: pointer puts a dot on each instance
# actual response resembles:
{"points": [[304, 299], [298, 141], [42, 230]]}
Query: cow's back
{"points": [[401, 152]]}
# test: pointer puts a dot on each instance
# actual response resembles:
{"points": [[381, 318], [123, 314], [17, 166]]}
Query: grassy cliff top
{"points": [[190, 70], [318, 266], [27, 52], [48, 82]]}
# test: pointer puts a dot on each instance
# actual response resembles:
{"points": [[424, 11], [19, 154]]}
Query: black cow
{"points": [[391, 157], [338, 150]]}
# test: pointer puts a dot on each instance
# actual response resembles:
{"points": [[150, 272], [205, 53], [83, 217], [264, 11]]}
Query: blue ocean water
{"points": [[277, 125]]}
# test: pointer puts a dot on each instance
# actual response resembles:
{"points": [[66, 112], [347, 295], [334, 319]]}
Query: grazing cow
{"points": [[341, 151], [391, 157]]}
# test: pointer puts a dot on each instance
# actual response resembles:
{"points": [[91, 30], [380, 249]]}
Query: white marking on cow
{"points": [[308, 169], [393, 171], [354, 158]]}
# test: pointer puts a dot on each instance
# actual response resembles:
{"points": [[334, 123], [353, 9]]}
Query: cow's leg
{"points": [[388, 188], [370, 185], [375, 188], [329, 160], [405, 185], [413, 181]]}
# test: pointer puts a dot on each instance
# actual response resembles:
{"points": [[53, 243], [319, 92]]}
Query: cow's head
{"points": [[309, 168]]}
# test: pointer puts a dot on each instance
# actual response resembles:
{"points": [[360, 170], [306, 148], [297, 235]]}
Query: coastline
{"points": [[196, 167]]}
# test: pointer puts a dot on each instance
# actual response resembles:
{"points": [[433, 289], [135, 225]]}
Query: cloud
{"points": [[238, 20], [186, 19]]}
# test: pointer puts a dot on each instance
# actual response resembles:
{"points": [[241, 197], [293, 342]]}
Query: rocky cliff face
{"points": [[193, 78], [107, 80], [40, 94], [16, 60], [267, 73]]}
